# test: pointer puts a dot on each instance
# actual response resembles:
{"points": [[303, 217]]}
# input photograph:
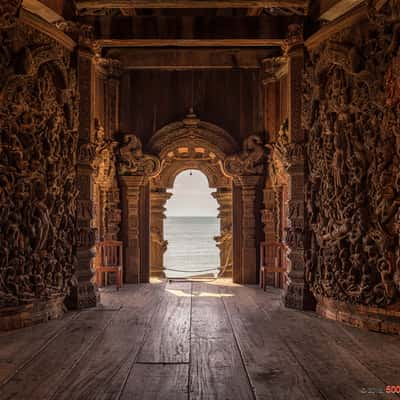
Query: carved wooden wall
{"points": [[351, 98], [38, 190]]}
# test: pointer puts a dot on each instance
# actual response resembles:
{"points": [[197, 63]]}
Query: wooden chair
{"points": [[271, 255], [109, 259]]}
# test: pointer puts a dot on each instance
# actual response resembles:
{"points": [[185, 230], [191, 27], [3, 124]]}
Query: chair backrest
{"points": [[270, 254], [109, 253]]}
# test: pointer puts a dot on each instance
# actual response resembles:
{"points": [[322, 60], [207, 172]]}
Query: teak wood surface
{"points": [[195, 340]]}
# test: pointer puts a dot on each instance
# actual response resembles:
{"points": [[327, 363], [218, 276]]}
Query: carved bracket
{"points": [[250, 161], [132, 161]]}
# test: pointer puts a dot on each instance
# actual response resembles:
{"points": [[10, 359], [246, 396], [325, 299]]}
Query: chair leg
{"points": [[119, 283], [99, 279]]}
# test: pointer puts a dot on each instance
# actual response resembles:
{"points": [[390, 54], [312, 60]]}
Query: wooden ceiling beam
{"points": [[98, 4], [190, 31], [254, 12], [129, 12], [191, 58], [190, 43]]}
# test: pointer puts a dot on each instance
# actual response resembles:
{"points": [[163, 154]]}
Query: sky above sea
{"points": [[191, 197]]}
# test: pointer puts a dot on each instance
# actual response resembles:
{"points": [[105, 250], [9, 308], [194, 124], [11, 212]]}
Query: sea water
{"points": [[191, 245]]}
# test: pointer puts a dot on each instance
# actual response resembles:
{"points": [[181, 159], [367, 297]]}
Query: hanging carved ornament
{"points": [[250, 161], [132, 160]]}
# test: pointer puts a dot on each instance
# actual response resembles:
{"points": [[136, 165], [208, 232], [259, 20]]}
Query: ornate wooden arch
{"points": [[196, 132], [191, 144], [144, 178], [215, 177]]}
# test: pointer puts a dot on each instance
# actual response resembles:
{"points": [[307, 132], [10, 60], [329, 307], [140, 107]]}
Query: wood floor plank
{"points": [[18, 347], [110, 298], [216, 368], [217, 371], [169, 333], [102, 372], [380, 353], [209, 318], [324, 351], [196, 341], [273, 371], [157, 382], [41, 376]]}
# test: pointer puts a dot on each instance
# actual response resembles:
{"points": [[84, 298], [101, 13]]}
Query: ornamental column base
{"points": [[297, 294], [157, 272], [299, 297], [84, 293]]}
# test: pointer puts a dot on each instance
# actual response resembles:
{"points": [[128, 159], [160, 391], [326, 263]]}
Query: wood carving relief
{"points": [[8, 12], [250, 161], [38, 146], [132, 160], [351, 113], [104, 163]]}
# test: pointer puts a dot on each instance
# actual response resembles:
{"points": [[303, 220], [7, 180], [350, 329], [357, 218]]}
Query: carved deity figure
{"points": [[250, 161], [133, 161]]}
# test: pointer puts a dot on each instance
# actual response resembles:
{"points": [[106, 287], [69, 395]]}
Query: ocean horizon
{"points": [[191, 248]]}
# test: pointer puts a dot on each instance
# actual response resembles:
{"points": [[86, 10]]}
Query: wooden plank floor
{"points": [[196, 340]]}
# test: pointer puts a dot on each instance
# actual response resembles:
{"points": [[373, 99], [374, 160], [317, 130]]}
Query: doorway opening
{"points": [[191, 228]]}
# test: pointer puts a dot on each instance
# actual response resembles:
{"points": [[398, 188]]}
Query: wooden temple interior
{"points": [[290, 108]]}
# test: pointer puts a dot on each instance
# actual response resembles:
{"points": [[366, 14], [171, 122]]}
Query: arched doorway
{"points": [[191, 145], [236, 175], [191, 228]]}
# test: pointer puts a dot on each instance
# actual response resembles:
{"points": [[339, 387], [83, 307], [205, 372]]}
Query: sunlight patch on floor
{"points": [[181, 293]]}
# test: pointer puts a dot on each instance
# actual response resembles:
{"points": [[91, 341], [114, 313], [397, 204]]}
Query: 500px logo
{"points": [[389, 389], [392, 389]]}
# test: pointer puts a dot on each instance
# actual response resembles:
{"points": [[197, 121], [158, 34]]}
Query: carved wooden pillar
{"points": [[246, 169], [224, 240], [269, 217], [297, 293], [85, 293], [250, 245], [108, 73], [134, 169], [237, 211], [272, 70], [131, 187], [158, 198], [111, 71]]}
